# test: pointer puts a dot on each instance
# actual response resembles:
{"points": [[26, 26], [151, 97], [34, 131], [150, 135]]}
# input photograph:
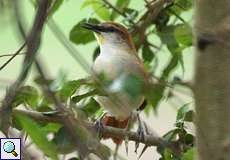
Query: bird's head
{"points": [[111, 34]]}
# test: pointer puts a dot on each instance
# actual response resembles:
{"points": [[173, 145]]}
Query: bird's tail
{"points": [[113, 122]]}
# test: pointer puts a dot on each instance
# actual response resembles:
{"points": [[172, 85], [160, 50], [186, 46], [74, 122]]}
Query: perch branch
{"points": [[149, 140]]}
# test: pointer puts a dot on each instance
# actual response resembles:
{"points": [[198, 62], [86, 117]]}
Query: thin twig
{"points": [[11, 58], [9, 55]]}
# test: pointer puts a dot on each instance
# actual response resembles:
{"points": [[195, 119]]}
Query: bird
{"points": [[117, 60]]}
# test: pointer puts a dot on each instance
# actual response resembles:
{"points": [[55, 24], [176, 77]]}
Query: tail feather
{"points": [[113, 122]]}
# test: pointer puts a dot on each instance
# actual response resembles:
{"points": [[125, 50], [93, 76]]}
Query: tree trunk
{"points": [[212, 79]]}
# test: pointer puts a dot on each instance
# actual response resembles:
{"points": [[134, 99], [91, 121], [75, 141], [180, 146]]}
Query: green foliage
{"points": [[38, 136], [179, 136], [26, 95], [147, 54], [121, 5], [80, 35], [99, 8], [55, 5]]}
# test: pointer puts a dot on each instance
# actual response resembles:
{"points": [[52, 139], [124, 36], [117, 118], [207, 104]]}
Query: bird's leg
{"points": [[99, 124], [127, 129], [141, 131]]}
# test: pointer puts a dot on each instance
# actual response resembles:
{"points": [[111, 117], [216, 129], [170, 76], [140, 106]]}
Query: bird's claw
{"points": [[127, 145], [141, 131], [99, 126]]}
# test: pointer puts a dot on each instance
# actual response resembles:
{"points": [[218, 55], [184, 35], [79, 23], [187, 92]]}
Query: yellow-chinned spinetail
{"points": [[117, 57]]}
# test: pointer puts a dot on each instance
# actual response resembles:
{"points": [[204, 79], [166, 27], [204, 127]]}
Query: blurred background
{"points": [[58, 61]]}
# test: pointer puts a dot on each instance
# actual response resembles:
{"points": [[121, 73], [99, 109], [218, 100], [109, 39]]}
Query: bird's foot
{"points": [[127, 129], [141, 131], [99, 125]]}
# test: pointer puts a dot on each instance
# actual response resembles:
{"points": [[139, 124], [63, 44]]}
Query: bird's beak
{"points": [[93, 27]]}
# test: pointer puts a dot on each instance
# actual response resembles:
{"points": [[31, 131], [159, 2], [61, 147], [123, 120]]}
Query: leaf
{"points": [[59, 81], [79, 35], [27, 95], [183, 34], [154, 94], [120, 5], [168, 154], [56, 5], [189, 139], [131, 13], [147, 54], [98, 7], [37, 135], [171, 135], [63, 142], [184, 4], [88, 3], [69, 88], [101, 10], [78, 98], [182, 112], [91, 107], [130, 83], [189, 154], [52, 127]]}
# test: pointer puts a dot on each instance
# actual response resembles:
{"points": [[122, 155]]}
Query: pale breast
{"points": [[113, 66]]}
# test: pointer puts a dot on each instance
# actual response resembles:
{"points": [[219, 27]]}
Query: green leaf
{"points": [[63, 142], [183, 4], [78, 98], [120, 5], [131, 13], [101, 11], [59, 81], [183, 34], [99, 8], [91, 107], [56, 5], [69, 88], [182, 112], [189, 155], [147, 54], [52, 127], [79, 35], [130, 83], [154, 94], [26, 95], [88, 3], [168, 154], [171, 135], [189, 139], [38, 136]]}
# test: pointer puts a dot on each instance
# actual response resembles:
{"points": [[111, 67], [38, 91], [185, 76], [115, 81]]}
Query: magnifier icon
{"points": [[9, 147]]}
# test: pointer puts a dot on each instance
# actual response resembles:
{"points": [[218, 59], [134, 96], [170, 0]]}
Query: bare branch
{"points": [[32, 45]]}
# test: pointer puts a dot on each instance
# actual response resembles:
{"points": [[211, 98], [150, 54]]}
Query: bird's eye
{"points": [[111, 29]]}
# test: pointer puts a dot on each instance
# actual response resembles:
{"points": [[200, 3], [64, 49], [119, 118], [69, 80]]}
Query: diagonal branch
{"points": [[32, 43]]}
